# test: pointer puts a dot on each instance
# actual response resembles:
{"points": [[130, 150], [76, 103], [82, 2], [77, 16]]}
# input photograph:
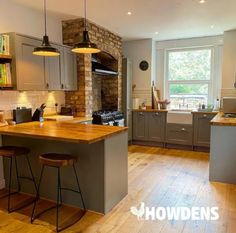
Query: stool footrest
{"points": [[71, 190], [23, 204], [44, 211], [25, 178], [71, 221]]}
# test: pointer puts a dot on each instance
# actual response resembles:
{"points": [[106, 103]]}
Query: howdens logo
{"points": [[175, 213]]}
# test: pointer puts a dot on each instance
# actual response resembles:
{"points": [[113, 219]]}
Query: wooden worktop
{"points": [[150, 110], [205, 112], [62, 131], [223, 121]]}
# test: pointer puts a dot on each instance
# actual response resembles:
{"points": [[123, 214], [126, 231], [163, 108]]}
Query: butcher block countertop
{"points": [[150, 110], [62, 131], [223, 121], [205, 112]]}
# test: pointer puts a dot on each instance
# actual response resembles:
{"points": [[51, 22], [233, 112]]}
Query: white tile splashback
{"points": [[33, 99]]}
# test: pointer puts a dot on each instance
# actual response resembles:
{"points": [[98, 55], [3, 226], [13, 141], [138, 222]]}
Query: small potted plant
{"points": [[163, 103]]}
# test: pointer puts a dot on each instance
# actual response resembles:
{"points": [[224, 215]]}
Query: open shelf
{"points": [[4, 56], [7, 87]]}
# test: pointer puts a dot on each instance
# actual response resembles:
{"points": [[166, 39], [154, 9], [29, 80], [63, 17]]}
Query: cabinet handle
{"points": [[140, 114], [204, 116], [62, 86], [47, 85], [183, 129], [156, 114]]}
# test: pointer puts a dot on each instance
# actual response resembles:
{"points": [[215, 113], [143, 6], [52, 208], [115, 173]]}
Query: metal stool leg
{"points": [[17, 175], [37, 195], [31, 173], [9, 187], [77, 180], [58, 197]]}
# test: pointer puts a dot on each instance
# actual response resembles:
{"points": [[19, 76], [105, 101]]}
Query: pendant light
{"points": [[85, 46], [46, 49]]}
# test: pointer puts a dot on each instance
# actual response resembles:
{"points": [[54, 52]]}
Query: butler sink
{"points": [[179, 116]]}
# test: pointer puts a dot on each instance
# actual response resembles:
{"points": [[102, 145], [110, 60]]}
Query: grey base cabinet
{"points": [[202, 129], [180, 134], [149, 126]]}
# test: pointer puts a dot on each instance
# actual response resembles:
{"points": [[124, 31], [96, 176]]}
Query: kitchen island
{"points": [[102, 159], [223, 152]]}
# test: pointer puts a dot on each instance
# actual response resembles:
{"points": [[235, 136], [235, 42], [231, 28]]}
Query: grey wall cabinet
{"points": [[29, 69], [41, 73], [202, 129], [179, 134], [69, 70], [53, 70], [149, 126]]}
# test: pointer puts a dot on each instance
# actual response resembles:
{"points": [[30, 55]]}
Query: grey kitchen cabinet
{"points": [[180, 134], [29, 69], [32, 72], [139, 126], [156, 126], [202, 129], [53, 70], [149, 126], [69, 70]]}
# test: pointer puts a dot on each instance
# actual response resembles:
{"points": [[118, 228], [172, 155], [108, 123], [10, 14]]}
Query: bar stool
{"points": [[58, 161], [12, 152]]}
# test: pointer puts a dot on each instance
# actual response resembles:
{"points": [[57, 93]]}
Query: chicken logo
{"points": [[138, 212]]}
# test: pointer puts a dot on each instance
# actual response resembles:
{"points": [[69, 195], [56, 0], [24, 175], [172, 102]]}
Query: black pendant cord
{"points": [[85, 15], [45, 17]]}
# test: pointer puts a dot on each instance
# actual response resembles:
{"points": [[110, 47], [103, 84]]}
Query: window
{"points": [[189, 77]]}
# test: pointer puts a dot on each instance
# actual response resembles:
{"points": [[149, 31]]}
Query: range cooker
{"points": [[104, 117]]}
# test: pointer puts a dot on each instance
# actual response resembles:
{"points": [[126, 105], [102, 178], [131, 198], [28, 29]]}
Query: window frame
{"points": [[167, 82]]}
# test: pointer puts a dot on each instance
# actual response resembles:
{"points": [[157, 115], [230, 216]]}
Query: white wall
{"points": [[137, 51], [16, 18], [229, 64]]}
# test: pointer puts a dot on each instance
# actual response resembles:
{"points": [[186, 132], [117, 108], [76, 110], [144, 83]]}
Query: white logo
{"points": [[138, 212], [175, 213]]}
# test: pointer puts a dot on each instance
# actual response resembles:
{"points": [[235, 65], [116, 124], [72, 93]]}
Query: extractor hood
{"points": [[101, 69]]}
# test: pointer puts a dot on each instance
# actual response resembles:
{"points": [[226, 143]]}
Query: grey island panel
{"points": [[102, 169]]}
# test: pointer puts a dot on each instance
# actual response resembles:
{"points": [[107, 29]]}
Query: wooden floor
{"points": [[160, 177]]}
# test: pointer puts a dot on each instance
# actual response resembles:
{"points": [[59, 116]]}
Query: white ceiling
{"points": [[173, 19]]}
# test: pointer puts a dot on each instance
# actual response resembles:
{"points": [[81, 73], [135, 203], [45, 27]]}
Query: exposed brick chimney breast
{"points": [[94, 92]]}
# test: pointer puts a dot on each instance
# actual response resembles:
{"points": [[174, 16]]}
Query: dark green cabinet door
{"points": [[139, 126], [156, 126]]}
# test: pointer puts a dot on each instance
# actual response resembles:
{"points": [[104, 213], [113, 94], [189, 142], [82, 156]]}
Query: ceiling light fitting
{"points": [[46, 49], [85, 46]]}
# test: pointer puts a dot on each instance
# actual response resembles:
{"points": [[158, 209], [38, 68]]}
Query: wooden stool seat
{"points": [[12, 151], [57, 160]]}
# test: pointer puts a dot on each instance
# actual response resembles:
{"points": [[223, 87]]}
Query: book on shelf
{"points": [[4, 44], [5, 74]]}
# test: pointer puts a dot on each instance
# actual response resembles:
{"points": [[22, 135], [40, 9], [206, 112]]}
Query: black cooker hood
{"points": [[101, 69]]}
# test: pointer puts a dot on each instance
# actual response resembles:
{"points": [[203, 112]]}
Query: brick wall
{"points": [[85, 100]]}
